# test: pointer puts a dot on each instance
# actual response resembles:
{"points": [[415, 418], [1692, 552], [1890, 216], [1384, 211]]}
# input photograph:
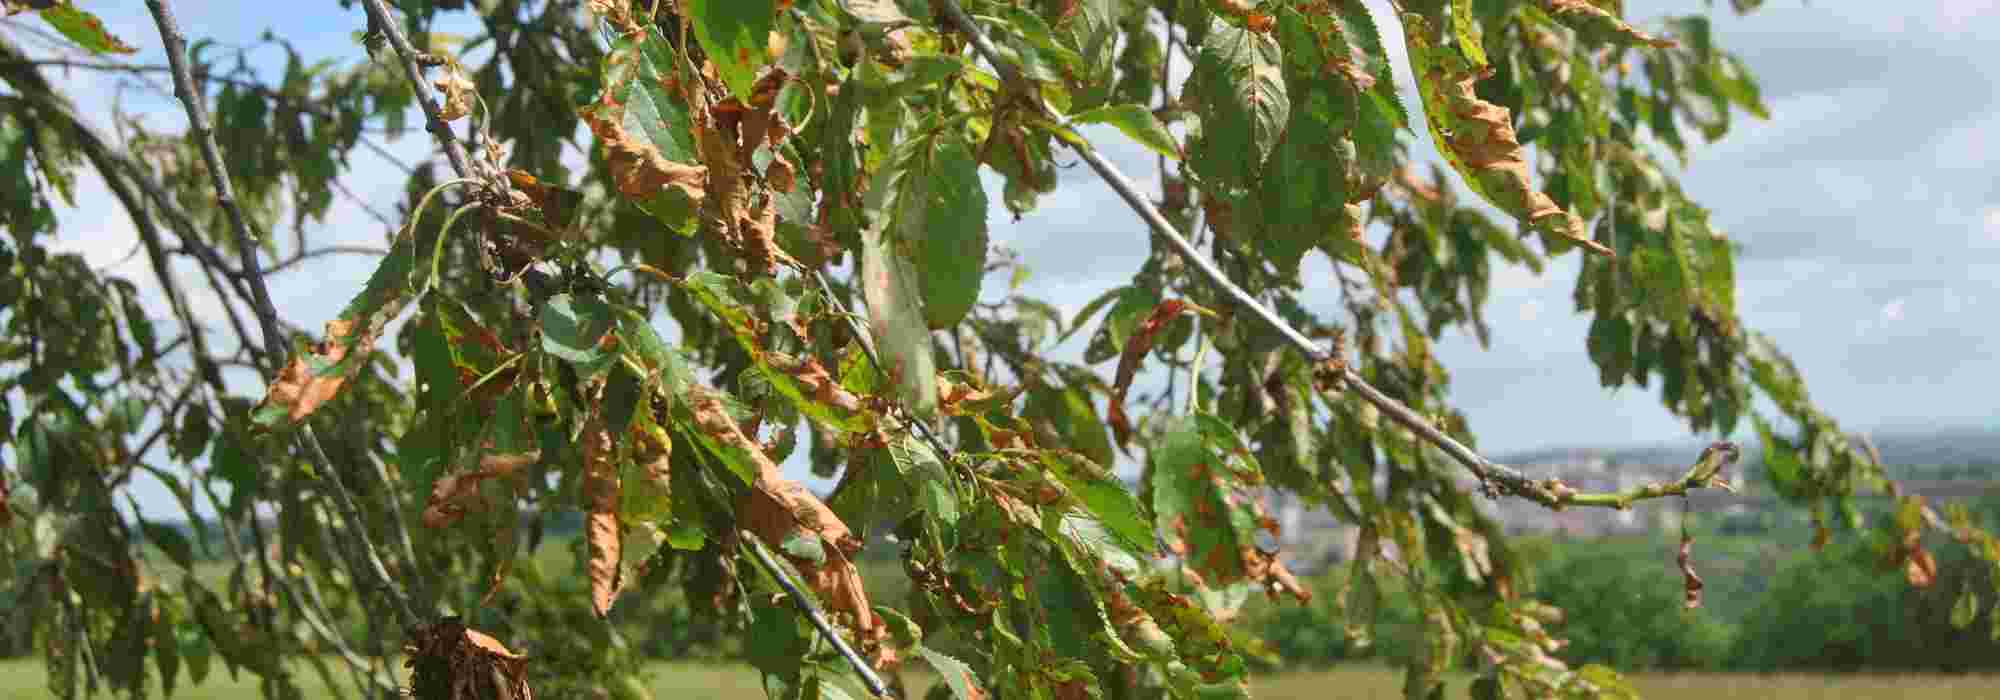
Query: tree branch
{"points": [[378, 15], [875, 685], [1496, 478], [176, 47]]}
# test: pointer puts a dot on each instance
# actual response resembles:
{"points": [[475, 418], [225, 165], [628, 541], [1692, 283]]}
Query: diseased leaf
{"points": [[1691, 584], [1206, 508], [735, 34], [84, 28], [1137, 123], [1135, 351], [777, 509], [453, 496], [1478, 137], [1593, 20], [641, 119], [316, 376], [601, 526]]}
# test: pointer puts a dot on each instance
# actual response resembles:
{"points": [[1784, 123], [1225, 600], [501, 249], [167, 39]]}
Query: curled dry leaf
{"points": [[1584, 15], [637, 166], [458, 91], [450, 661], [1484, 140], [778, 510], [1690, 582], [1278, 579], [300, 388], [1136, 348], [456, 494], [726, 140], [601, 530]]}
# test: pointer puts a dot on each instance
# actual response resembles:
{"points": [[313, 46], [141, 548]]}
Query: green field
{"points": [[22, 680]]}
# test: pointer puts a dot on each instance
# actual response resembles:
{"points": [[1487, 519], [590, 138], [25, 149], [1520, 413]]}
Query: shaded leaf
{"points": [[573, 328], [957, 675], [1965, 609], [940, 226], [1137, 123]]}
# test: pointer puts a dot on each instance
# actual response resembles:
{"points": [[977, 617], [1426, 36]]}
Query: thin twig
{"points": [[1550, 492], [176, 47], [874, 681], [378, 14]]}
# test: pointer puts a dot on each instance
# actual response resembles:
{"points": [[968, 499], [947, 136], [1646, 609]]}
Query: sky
{"points": [[1868, 208]]}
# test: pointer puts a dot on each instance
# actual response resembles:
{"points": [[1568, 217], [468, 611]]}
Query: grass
{"points": [[22, 679]]}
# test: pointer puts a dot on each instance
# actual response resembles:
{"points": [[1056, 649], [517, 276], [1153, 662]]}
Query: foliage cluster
{"points": [[797, 185]]}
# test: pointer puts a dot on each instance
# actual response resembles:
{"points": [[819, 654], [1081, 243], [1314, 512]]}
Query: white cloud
{"points": [[1893, 311]]}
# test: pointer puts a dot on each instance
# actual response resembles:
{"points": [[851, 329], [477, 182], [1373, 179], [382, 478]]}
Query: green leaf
{"points": [[1610, 346], [1465, 28], [85, 29], [1242, 104], [1138, 123], [166, 646], [957, 675], [734, 34], [897, 325], [572, 328], [170, 541], [1965, 610], [935, 490], [1071, 414], [940, 226], [1106, 499]]}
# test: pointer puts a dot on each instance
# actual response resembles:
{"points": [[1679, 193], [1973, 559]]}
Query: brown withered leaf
{"points": [[1136, 348], [1919, 567], [1277, 578], [6, 512], [637, 166], [450, 661], [749, 230], [1478, 138], [455, 494], [1584, 15], [601, 530], [1690, 582], [458, 91], [1486, 142], [777, 509], [298, 386]]}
